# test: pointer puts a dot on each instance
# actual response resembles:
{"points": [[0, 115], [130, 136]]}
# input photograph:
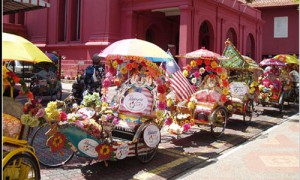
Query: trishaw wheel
{"points": [[281, 102], [21, 166], [218, 121], [144, 153], [43, 152], [247, 114]]}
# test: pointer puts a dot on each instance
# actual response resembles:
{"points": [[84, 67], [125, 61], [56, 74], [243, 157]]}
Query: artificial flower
{"points": [[199, 61], [115, 64], [123, 70], [161, 89], [186, 127], [194, 80], [159, 81], [197, 74], [129, 66], [185, 73], [170, 102], [188, 67], [225, 91], [223, 76], [201, 70], [229, 107], [214, 64], [193, 63], [207, 62], [161, 105], [191, 105], [159, 114], [106, 83], [168, 121], [219, 70], [104, 151], [225, 83], [56, 142], [223, 98], [208, 68]]}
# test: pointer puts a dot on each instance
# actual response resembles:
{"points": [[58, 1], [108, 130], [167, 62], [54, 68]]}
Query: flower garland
{"points": [[33, 113]]}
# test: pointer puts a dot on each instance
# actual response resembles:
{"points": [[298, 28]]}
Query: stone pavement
{"points": [[272, 155]]}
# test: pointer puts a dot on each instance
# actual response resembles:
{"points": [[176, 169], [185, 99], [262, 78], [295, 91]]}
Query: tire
{"points": [[145, 157], [21, 166], [148, 152], [248, 110], [218, 121], [43, 152]]}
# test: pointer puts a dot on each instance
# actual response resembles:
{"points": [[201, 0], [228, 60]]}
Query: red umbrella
{"points": [[202, 54], [271, 62]]}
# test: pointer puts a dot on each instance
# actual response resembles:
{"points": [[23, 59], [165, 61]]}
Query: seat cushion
{"points": [[11, 126]]}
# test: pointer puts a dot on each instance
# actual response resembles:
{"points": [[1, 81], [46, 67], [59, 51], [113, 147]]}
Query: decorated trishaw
{"points": [[206, 105], [271, 88], [243, 78], [290, 77], [112, 128]]}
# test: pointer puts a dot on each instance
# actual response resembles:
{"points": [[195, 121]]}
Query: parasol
{"points": [[128, 48], [288, 59], [201, 54], [18, 48], [271, 62]]}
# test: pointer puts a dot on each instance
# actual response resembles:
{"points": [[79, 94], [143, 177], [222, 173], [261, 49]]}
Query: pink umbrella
{"points": [[202, 54], [271, 62]]}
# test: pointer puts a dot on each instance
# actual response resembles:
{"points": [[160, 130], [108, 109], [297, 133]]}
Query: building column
{"points": [[128, 24], [185, 32]]}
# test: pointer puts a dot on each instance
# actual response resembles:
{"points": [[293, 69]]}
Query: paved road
{"points": [[272, 155]]}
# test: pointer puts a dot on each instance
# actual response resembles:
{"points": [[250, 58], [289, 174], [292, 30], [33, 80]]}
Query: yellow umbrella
{"points": [[18, 48], [288, 59]]}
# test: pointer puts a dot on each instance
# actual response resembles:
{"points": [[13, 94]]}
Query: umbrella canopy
{"points": [[18, 48], [271, 62], [128, 48], [289, 59], [201, 54], [52, 56]]}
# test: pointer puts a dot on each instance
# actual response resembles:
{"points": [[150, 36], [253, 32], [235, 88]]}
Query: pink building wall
{"points": [[104, 22], [289, 45]]}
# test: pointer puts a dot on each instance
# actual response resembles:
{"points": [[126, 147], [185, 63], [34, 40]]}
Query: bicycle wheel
{"points": [[218, 121], [43, 152], [248, 109], [21, 166]]}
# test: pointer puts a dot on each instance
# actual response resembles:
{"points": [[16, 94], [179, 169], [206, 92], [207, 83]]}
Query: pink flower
{"points": [[159, 81], [40, 113], [186, 127], [162, 105], [106, 83], [197, 74], [63, 116], [168, 121], [116, 120], [194, 87]]}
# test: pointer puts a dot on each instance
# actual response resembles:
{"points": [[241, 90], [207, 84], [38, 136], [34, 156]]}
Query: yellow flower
{"points": [[191, 105], [115, 64], [223, 76], [225, 91], [214, 64], [104, 150], [57, 141], [185, 73], [229, 107], [123, 70], [169, 102], [254, 83], [260, 87], [159, 114], [251, 90], [193, 63]]}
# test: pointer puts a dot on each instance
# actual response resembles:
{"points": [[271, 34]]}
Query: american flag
{"points": [[179, 83]]}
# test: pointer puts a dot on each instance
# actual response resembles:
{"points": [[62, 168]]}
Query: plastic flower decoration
{"points": [[57, 142], [201, 70], [91, 100], [185, 73], [33, 113], [193, 63], [54, 113], [105, 151]]}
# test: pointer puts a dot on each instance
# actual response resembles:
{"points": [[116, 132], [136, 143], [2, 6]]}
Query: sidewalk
{"points": [[272, 155]]}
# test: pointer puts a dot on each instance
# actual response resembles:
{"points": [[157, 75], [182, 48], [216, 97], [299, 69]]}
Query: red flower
{"points": [[56, 142], [199, 61], [223, 98], [188, 67], [16, 79], [161, 89], [208, 68], [143, 64], [30, 95], [129, 66], [135, 65], [119, 61], [225, 83], [207, 62], [63, 116], [104, 151], [219, 70]]}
